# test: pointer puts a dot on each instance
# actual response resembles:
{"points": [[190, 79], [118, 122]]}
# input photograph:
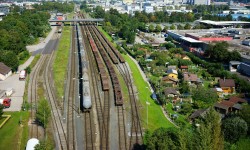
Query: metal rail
{"points": [[120, 112], [95, 82], [33, 97], [56, 116], [122, 67], [71, 96]]}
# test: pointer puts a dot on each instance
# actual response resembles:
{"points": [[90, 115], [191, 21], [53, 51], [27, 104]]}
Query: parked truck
{"points": [[22, 75], [5, 102]]}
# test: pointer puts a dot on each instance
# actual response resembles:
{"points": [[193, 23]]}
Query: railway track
{"points": [[120, 112], [106, 48], [56, 115], [33, 99], [95, 82], [136, 131], [71, 145]]}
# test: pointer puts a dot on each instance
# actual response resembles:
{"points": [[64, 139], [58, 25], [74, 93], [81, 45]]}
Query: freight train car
{"points": [[86, 103]]}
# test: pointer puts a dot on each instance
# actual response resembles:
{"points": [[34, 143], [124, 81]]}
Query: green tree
{"points": [[234, 55], [234, 128], [169, 45], [172, 27], [158, 28], [44, 145], [208, 135], [245, 114], [186, 108], [99, 12], [167, 138], [43, 112], [184, 87], [203, 97], [180, 27], [187, 26], [10, 59], [218, 52], [166, 28], [131, 37], [151, 28]]}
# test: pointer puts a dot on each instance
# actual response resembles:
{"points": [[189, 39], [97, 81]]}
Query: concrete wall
{"points": [[3, 77]]}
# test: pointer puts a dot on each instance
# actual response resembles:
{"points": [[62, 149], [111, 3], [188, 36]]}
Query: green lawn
{"points": [[156, 117], [13, 136], [243, 144], [61, 61], [2, 120]]}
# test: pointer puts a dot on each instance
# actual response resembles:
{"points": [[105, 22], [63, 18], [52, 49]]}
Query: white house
{"points": [[5, 71]]}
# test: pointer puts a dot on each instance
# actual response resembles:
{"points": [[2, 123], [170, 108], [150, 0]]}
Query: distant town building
{"points": [[199, 2]]}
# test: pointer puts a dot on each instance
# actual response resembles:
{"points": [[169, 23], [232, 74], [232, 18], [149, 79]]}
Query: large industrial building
{"points": [[208, 37]]}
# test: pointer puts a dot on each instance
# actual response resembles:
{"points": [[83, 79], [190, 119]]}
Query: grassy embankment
{"points": [[13, 133], [156, 117], [61, 61]]}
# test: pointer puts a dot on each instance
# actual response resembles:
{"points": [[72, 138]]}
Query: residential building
{"points": [[234, 104], [171, 73], [170, 81], [184, 68], [191, 78], [5, 71], [172, 93], [198, 114], [227, 85], [185, 57]]}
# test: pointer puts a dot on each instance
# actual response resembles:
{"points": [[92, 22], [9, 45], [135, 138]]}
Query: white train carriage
{"points": [[86, 91]]}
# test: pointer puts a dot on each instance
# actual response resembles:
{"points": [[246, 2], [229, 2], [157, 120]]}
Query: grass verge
{"points": [[12, 133], [156, 117], [61, 61]]}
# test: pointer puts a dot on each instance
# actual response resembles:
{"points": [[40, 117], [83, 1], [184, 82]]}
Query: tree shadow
{"points": [[139, 147]]}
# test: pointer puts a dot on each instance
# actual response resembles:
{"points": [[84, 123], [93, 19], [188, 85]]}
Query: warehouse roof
{"points": [[188, 39], [221, 23], [4, 69]]}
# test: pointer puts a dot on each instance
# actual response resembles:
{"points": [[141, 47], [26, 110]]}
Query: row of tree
{"points": [[219, 53], [18, 30], [208, 132], [55, 6], [24, 27]]}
